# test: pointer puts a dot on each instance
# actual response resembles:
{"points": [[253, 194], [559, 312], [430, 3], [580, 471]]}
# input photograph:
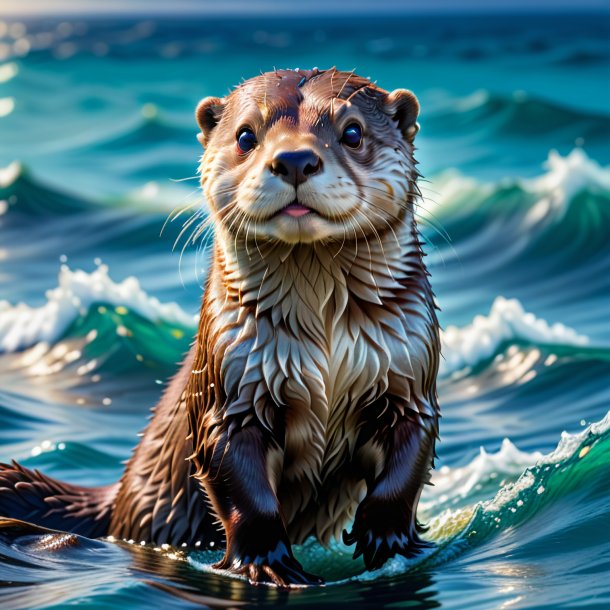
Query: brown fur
{"points": [[309, 396]]}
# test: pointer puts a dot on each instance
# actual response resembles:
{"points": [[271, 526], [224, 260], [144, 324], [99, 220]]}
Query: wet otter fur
{"points": [[308, 398]]}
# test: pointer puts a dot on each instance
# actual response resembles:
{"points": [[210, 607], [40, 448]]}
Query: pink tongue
{"points": [[296, 209]]}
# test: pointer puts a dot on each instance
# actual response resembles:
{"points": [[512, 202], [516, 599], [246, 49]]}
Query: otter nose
{"points": [[295, 166]]}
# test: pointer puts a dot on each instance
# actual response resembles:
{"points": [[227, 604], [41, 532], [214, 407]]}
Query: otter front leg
{"points": [[386, 521], [238, 487]]}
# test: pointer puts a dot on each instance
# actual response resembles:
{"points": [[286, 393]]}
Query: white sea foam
{"points": [[450, 188], [461, 481], [7, 105], [566, 177], [452, 523], [566, 448], [8, 71], [22, 326], [507, 321], [10, 173], [553, 190]]}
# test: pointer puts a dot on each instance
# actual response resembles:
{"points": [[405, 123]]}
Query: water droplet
{"points": [[122, 331]]}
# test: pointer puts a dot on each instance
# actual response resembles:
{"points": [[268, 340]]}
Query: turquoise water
{"points": [[98, 144]]}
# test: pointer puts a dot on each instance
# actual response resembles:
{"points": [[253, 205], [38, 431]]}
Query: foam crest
{"points": [[10, 174], [569, 444], [22, 326], [565, 179], [450, 188], [455, 530], [548, 195], [452, 483], [506, 322]]}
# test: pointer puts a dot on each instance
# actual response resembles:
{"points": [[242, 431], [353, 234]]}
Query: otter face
{"points": [[303, 156]]}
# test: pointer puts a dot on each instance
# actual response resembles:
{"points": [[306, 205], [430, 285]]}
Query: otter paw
{"points": [[281, 574], [277, 567], [382, 530]]}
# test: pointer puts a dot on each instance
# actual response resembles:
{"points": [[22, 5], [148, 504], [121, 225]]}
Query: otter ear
{"points": [[208, 113], [402, 106]]}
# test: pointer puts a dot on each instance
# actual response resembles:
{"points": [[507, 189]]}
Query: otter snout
{"points": [[295, 166]]}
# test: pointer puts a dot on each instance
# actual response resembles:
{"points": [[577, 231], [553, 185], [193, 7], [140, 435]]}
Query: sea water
{"points": [[96, 310]]}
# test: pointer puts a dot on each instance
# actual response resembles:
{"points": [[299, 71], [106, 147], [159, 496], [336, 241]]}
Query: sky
{"points": [[284, 7]]}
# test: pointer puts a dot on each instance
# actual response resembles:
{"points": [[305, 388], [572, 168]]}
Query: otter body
{"points": [[308, 398]]}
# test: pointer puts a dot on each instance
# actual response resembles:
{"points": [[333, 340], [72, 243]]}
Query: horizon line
{"points": [[185, 8]]}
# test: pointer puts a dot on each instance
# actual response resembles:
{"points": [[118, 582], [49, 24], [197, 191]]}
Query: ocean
{"points": [[98, 301]]}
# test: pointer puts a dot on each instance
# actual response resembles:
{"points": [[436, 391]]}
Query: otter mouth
{"points": [[295, 209]]}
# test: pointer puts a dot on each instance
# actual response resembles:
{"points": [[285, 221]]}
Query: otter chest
{"points": [[322, 375], [317, 347]]}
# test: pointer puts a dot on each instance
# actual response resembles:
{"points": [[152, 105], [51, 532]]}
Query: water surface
{"points": [[98, 144]]}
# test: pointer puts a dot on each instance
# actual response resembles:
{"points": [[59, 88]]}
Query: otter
{"points": [[308, 399]]}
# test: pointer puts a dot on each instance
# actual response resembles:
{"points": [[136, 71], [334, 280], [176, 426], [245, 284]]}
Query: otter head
{"points": [[303, 156]]}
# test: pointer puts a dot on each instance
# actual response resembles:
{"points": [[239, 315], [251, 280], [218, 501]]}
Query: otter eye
{"points": [[352, 135], [246, 140]]}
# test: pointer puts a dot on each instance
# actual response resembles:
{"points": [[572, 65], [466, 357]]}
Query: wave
{"points": [[499, 506], [577, 463], [567, 178], [496, 494], [77, 293], [25, 195], [149, 129], [91, 323], [507, 323], [516, 115], [574, 186], [525, 237]]}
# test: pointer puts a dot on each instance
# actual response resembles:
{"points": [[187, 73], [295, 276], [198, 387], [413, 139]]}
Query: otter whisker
{"points": [[195, 177], [434, 223], [185, 227], [437, 227], [179, 209], [238, 216], [258, 296], [369, 248], [176, 212], [244, 219], [342, 243], [345, 83], [374, 208], [379, 238], [357, 90], [256, 243]]}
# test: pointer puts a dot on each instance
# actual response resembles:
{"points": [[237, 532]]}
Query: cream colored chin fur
{"points": [[319, 331]]}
